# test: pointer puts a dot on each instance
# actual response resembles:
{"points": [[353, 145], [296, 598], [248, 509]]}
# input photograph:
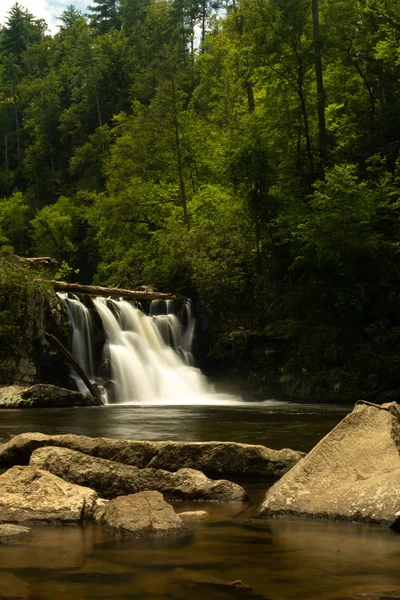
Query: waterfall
{"points": [[81, 330], [145, 358]]}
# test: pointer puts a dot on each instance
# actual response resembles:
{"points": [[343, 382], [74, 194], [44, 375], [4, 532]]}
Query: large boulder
{"points": [[352, 473], [29, 495], [145, 514], [111, 479], [43, 395], [215, 459]]}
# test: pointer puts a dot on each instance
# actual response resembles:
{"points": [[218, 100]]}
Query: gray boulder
{"points": [[29, 495], [215, 459], [145, 514], [43, 395], [111, 479], [352, 473]]}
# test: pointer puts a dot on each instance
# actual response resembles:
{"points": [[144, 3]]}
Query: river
{"points": [[279, 559]]}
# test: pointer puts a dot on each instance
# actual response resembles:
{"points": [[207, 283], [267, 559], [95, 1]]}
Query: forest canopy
{"points": [[242, 152]]}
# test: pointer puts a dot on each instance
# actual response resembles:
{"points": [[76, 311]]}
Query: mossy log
{"points": [[96, 290]]}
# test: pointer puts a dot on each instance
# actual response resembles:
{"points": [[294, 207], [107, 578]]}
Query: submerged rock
{"points": [[111, 479], [221, 459], [352, 473], [13, 534], [198, 583], [28, 495], [43, 395], [13, 588], [145, 514], [194, 515]]}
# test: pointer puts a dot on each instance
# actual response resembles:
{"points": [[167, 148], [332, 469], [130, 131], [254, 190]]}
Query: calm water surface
{"points": [[279, 559]]}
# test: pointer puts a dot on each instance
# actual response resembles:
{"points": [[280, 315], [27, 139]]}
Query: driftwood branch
{"points": [[74, 364], [96, 290]]}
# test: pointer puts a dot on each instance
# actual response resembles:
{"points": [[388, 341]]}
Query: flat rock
{"points": [[142, 515], [13, 534], [29, 495], [43, 395], [215, 459], [352, 473], [111, 479]]}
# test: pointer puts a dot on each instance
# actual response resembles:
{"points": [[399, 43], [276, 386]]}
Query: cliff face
{"points": [[27, 310]]}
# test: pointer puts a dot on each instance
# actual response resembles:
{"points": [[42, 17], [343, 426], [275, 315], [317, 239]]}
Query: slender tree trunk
{"points": [[179, 155], [98, 109], [6, 152], [320, 82], [17, 134], [248, 84], [203, 19], [250, 96], [300, 92]]}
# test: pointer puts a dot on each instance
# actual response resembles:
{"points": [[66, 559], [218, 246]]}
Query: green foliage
{"points": [[135, 157], [16, 293], [14, 222]]}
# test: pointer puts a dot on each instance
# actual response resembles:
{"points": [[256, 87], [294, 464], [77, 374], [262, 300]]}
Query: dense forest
{"points": [[246, 154]]}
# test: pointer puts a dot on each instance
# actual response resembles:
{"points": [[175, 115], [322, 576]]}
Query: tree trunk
{"points": [[179, 155], [95, 290], [320, 82], [74, 364]]}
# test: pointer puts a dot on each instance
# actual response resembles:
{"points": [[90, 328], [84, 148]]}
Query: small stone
{"points": [[194, 515]]}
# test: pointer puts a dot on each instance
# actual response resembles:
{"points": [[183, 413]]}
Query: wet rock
{"points": [[29, 495], [13, 534], [10, 395], [13, 588], [215, 459], [145, 514], [111, 479], [208, 585], [43, 395], [352, 473], [195, 515]]}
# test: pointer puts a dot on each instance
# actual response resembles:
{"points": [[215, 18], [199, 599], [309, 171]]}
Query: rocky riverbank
{"points": [[73, 478], [352, 474]]}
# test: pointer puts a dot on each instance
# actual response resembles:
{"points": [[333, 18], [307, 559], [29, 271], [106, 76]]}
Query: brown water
{"points": [[279, 559]]}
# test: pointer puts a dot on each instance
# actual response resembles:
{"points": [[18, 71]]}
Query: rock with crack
{"points": [[353, 473], [145, 514], [111, 479], [215, 459], [31, 495]]}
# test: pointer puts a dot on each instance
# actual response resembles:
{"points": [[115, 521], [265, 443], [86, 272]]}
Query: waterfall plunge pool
{"points": [[280, 559], [153, 392]]}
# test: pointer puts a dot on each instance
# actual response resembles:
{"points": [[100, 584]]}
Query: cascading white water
{"points": [[148, 358], [143, 367], [81, 336]]}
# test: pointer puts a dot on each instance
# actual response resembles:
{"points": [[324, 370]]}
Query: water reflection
{"points": [[272, 424], [277, 559]]}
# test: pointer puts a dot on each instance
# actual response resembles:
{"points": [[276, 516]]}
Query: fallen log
{"points": [[36, 262], [96, 290], [74, 364]]}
